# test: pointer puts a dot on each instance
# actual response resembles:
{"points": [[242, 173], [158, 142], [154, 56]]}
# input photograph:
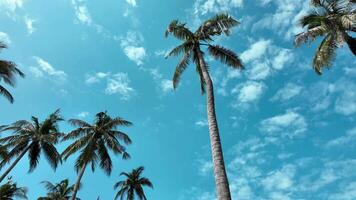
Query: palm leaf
{"points": [[226, 56], [325, 54], [182, 65]]}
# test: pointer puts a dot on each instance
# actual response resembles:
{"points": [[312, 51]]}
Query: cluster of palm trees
{"points": [[92, 141], [334, 20]]}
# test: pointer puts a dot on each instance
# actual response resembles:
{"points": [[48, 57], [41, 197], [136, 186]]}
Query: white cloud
{"points": [[119, 84], [280, 179], [284, 20], [202, 7], [346, 103], [282, 57], [249, 92], [256, 51], [343, 140], [83, 114], [81, 12], [4, 37], [91, 79], [166, 85], [132, 47], [29, 24], [290, 124], [132, 2], [201, 123], [45, 69], [11, 5], [260, 71], [136, 54], [347, 192], [205, 167], [287, 92]]}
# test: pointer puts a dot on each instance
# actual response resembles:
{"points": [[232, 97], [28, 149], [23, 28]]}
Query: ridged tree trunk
{"points": [[77, 184], [221, 180], [14, 163]]}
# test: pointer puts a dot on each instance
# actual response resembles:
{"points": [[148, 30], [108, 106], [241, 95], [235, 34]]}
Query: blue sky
{"points": [[286, 132]]}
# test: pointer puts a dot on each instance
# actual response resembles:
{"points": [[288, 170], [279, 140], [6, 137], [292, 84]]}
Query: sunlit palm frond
{"points": [[179, 31], [325, 54]]}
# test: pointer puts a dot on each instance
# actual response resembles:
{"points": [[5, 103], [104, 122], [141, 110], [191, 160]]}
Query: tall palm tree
{"points": [[59, 191], [8, 71], [333, 20], [132, 185], [32, 137], [192, 50], [94, 142], [10, 191]]}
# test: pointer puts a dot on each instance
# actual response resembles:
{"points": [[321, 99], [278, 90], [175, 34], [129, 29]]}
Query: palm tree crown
{"points": [[8, 70], [333, 20], [203, 36], [94, 141], [10, 191], [133, 184], [59, 191], [33, 137]]}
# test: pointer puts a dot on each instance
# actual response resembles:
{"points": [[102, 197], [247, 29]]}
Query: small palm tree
{"points": [[333, 20], [8, 70], [10, 191], [59, 191], [32, 137], [94, 142], [192, 50], [133, 184]]}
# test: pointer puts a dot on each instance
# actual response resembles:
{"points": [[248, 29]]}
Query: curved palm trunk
{"points": [[14, 163], [76, 186], [221, 180]]}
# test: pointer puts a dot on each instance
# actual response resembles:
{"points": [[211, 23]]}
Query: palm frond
{"points": [[182, 65], [325, 54], [217, 25], [6, 94], [309, 35], [226, 56], [179, 31], [183, 48]]}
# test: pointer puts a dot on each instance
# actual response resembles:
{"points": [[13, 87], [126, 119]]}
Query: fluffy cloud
{"points": [[284, 20], [11, 5], [81, 12], [29, 24], [343, 140], [260, 71], [132, 47], [287, 92], [4, 37], [83, 114], [256, 51], [202, 7], [249, 92], [166, 85], [290, 124], [119, 84], [132, 2], [45, 69], [280, 179]]}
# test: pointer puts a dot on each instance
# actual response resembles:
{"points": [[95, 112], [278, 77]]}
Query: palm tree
{"points": [[94, 141], [333, 20], [8, 70], [10, 190], [59, 191], [32, 137], [132, 185], [192, 50]]}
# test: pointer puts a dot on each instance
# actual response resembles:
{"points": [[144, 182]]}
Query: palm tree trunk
{"points": [[77, 184], [221, 180], [14, 163]]}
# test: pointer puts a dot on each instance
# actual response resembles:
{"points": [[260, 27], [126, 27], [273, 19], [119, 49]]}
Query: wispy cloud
{"points": [[201, 123], [343, 140], [289, 124], [45, 70], [202, 7], [132, 2], [132, 47], [83, 114], [11, 5], [287, 92], [4, 37], [30, 24], [248, 92]]}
